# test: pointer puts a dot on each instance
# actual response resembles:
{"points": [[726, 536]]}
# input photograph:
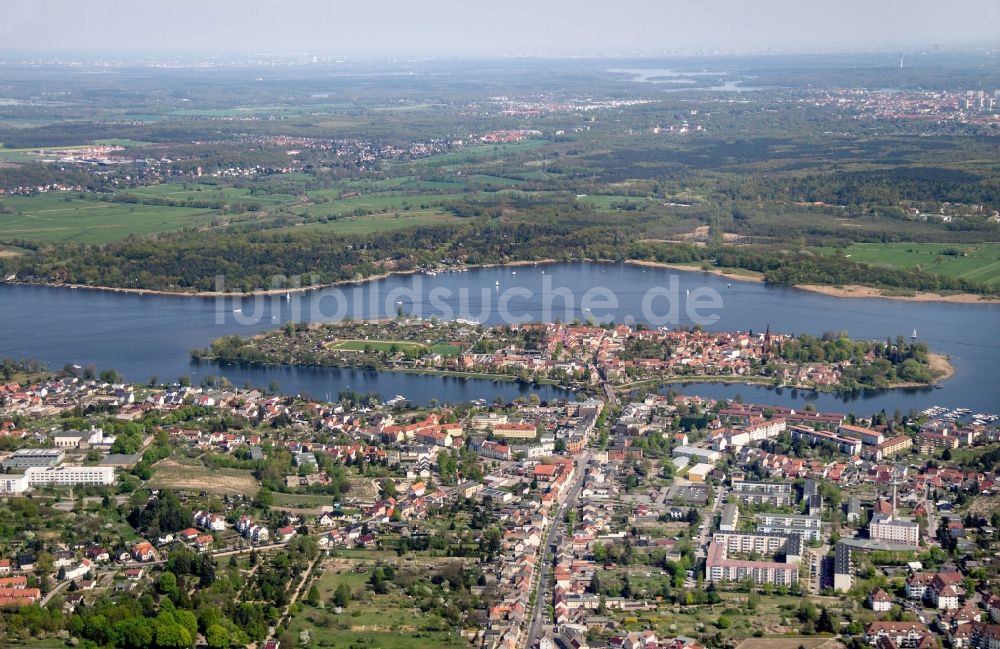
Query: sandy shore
{"points": [[854, 290], [750, 276], [848, 291], [941, 365]]}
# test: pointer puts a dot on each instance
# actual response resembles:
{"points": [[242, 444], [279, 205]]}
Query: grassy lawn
{"points": [[52, 218], [977, 262], [446, 350]]}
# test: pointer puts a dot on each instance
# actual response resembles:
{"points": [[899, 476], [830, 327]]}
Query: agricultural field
{"points": [[64, 218], [210, 192], [170, 474], [979, 262]]}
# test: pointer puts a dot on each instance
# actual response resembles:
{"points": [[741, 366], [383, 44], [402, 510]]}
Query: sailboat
{"points": [[913, 336], [288, 296], [498, 283]]}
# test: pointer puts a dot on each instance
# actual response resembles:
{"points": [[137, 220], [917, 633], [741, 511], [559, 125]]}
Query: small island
{"points": [[592, 358]]}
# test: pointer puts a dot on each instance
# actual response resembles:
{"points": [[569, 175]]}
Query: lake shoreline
{"points": [[280, 291], [851, 291], [854, 291]]}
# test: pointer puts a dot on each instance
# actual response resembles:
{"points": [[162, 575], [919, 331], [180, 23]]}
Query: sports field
{"points": [[376, 345], [978, 262]]}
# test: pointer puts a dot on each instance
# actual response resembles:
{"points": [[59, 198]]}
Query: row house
{"points": [[209, 521], [252, 531], [902, 634]]}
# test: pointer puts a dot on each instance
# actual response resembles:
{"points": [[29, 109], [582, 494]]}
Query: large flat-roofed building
{"points": [[706, 455], [778, 494], [34, 457], [730, 518], [843, 577], [844, 444], [809, 528], [761, 543], [699, 472], [70, 476], [13, 484], [719, 567], [867, 436], [889, 447], [890, 529]]}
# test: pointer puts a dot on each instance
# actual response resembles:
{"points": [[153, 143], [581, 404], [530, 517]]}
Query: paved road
{"points": [[545, 557], [708, 521]]}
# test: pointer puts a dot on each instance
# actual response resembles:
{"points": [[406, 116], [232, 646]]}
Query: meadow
{"points": [[194, 478], [979, 262], [64, 218], [195, 191]]}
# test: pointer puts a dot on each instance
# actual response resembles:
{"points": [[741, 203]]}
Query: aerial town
{"points": [[592, 357], [667, 520], [441, 325]]}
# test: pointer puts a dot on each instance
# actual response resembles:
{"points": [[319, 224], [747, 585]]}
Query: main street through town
{"points": [[542, 592]]}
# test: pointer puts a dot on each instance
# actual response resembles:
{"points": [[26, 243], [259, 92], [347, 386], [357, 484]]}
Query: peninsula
{"points": [[591, 358]]}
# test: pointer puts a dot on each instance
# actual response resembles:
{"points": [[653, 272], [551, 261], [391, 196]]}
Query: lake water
{"points": [[146, 335]]}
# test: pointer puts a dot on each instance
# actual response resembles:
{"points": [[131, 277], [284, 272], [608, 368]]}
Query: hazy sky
{"points": [[374, 27]]}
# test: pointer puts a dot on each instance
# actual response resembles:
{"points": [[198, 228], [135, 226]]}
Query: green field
{"points": [[209, 192], [328, 201], [446, 350], [605, 202], [978, 263], [58, 218], [479, 153]]}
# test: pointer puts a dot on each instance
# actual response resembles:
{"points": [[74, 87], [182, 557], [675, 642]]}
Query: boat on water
{"points": [[498, 284], [913, 336], [288, 296], [513, 272]]}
